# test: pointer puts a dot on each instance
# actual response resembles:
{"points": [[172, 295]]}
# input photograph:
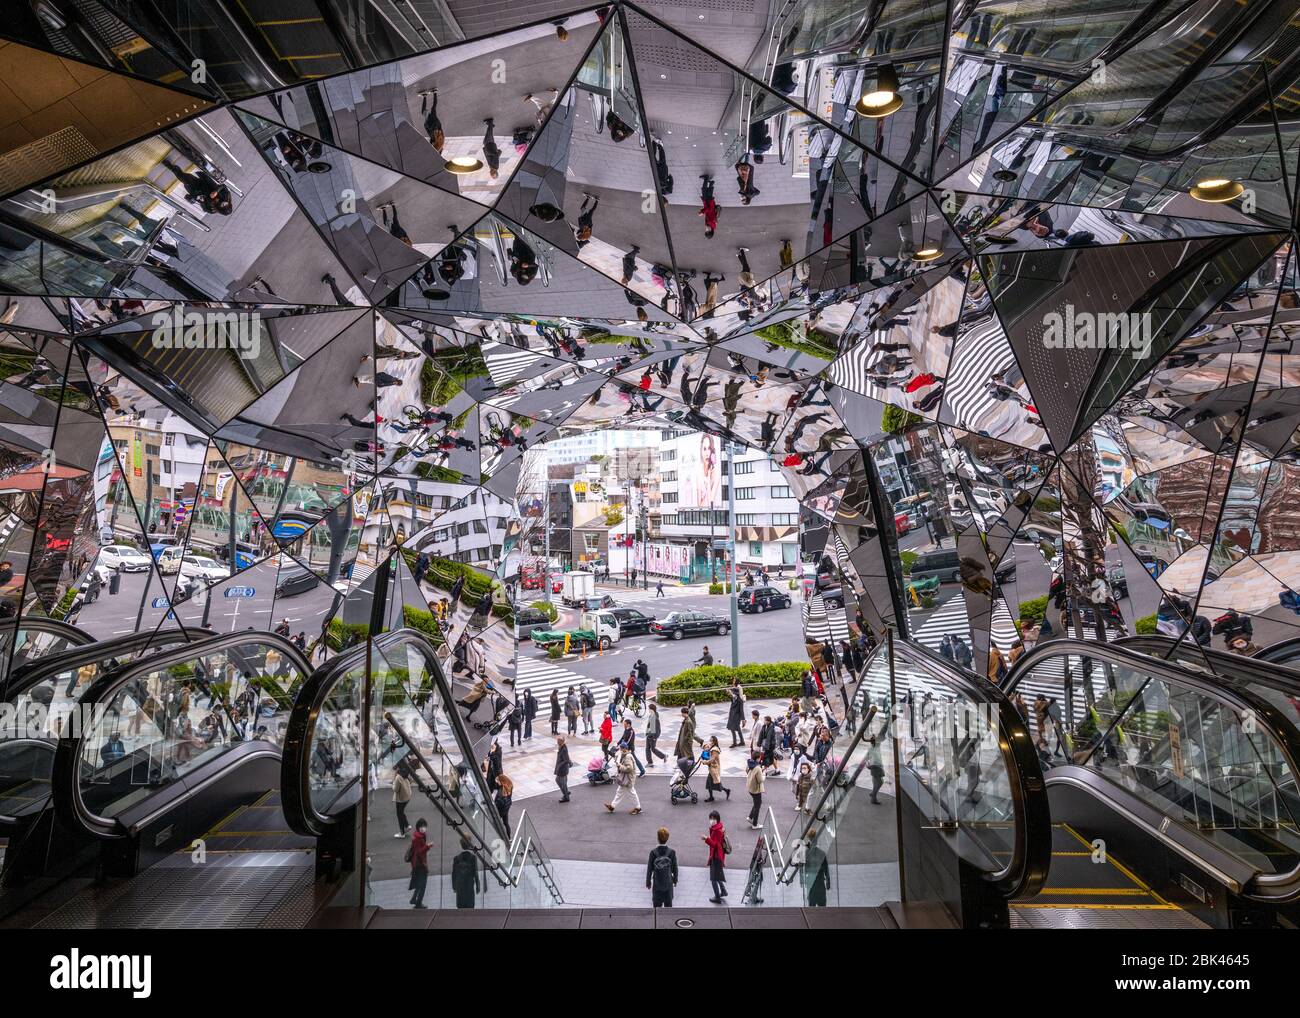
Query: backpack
{"points": [[661, 871], [726, 845], [410, 852]]}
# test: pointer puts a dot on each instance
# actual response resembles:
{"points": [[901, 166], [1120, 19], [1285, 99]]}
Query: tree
{"points": [[614, 515], [895, 420]]}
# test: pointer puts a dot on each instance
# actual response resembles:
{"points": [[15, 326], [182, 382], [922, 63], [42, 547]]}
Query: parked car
{"points": [[295, 581], [945, 564], [121, 556], [632, 622], [209, 570], [760, 599], [529, 619], [676, 625]]}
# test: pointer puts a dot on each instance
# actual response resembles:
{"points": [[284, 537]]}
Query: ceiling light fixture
{"points": [[1216, 190], [883, 99], [463, 164], [926, 254]]}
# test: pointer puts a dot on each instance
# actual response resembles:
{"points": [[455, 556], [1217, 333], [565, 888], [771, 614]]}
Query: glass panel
{"points": [[168, 721]]}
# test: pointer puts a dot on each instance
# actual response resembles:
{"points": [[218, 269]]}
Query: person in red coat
{"points": [[418, 856], [606, 734], [717, 842]]}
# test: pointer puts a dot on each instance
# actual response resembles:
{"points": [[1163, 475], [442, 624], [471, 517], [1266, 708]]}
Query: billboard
{"points": [[699, 472]]}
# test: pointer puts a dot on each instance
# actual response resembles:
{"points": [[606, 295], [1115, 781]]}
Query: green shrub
{"points": [[794, 584], [65, 604], [908, 557], [546, 608], [338, 632], [555, 651], [1034, 610], [895, 420], [1146, 626], [715, 588], [761, 681], [422, 622]]}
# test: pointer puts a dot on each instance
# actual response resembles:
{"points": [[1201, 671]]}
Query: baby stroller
{"points": [[501, 708], [598, 771], [679, 790]]}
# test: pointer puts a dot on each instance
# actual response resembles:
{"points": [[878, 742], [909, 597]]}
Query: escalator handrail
{"points": [[464, 826], [295, 778], [1026, 872], [65, 780], [1235, 694], [301, 814], [1280, 652], [39, 624], [31, 673], [1235, 669]]}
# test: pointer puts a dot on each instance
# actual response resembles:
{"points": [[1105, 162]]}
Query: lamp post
{"points": [[731, 537]]}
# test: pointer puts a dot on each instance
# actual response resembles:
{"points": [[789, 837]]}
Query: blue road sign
{"points": [[160, 602], [239, 592]]}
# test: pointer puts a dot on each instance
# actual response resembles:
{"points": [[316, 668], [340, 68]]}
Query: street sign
{"points": [[239, 592], [720, 544], [160, 602]]}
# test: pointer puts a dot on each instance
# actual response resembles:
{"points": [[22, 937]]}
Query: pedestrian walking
{"points": [[555, 712], [530, 713], [417, 854], [625, 782], [464, 875], [606, 734], [754, 781], [515, 721], [627, 740], [661, 872], [713, 783], [502, 799], [562, 767], [587, 703], [686, 737], [719, 848], [659, 592], [571, 711], [401, 796], [736, 713], [877, 769], [653, 729]]}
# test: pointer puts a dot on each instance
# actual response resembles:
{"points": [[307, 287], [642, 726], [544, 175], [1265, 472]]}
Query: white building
{"points": [[580, 448], [694, 484]]}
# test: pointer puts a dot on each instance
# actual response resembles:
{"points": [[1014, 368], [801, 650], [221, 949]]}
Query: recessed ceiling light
{"points": [[463, 164], [883, 99], [1004, 176], [663, 76], [1216, 190], [926, 254]]}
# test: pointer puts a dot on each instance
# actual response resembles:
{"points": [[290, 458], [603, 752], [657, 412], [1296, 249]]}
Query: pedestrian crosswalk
{"points": [[981, 352], [541, 675], [821, 623]]}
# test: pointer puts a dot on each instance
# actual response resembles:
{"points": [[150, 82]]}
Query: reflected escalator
{"points": [[168, 781], [417, 728], [971, 822], [42, 692], [1172, 780]]}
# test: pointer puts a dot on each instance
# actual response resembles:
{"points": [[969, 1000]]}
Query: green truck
{"points": [[595, 631]]}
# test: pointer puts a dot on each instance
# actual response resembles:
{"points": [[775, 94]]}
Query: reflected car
{"points": [[528, 619], [295, 581], [120, 556], [209, 570]]}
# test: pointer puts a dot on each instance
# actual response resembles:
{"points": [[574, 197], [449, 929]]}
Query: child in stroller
{"points": [[680, 789], [598, 770]]}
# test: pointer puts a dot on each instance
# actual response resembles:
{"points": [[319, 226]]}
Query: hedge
{"points": [[907, 557], [338, 631], [1034, 610], [719, 588], [422, 622], [781, 679], [546, 608], [1146, 626]]}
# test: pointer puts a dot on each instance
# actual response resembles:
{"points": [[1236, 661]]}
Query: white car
{"points": [[209, 570], [121, 556]]}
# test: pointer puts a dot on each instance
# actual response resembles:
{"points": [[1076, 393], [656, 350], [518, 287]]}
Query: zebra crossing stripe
{"points": [[542, 676], [980, 353]]}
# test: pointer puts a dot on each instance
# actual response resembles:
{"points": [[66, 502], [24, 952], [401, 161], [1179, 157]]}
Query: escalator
{"points": [[970, 831], [1172, 784], [42, 694], [136, 781], [417, 728]]}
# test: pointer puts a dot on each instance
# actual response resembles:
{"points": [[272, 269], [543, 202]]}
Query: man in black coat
{"points": [[562, 765], [661, 872], [530, 712]]}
